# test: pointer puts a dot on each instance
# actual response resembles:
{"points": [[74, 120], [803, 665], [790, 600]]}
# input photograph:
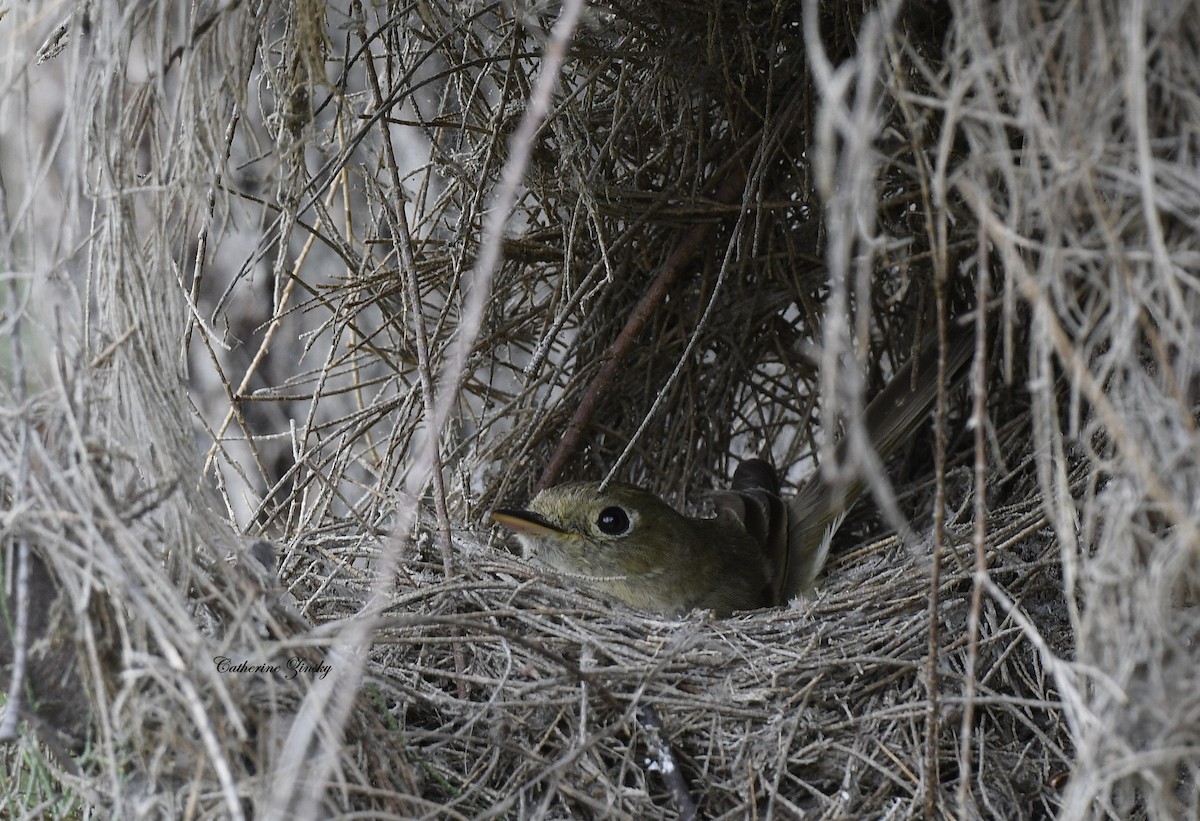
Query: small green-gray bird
{"points": [[758, 551]]}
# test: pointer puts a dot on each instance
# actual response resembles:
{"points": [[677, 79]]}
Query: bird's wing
{"points": [[755, 502]]}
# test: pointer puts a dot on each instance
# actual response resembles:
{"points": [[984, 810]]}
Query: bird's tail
{"points": [[891, 418]]}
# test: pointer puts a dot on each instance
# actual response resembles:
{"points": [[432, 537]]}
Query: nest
{"points": [[356, 276]]}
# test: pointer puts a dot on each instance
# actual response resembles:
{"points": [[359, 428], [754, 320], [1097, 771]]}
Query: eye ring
{"points": [[613, 521]]}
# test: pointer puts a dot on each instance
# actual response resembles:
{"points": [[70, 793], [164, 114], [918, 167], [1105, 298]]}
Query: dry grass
{"points": [[258, 282]]}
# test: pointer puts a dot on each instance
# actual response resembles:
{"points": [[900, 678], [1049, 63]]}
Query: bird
{"points": [[758, 551]]}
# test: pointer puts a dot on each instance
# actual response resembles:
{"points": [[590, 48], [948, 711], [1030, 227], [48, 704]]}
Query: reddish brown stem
{"points": [[730, 191]]}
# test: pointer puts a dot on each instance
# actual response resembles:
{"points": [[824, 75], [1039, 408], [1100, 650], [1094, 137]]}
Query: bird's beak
{"points": [[522, 521]]}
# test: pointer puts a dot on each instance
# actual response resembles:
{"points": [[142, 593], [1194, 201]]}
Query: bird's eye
{"points": [[613, 521]]}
